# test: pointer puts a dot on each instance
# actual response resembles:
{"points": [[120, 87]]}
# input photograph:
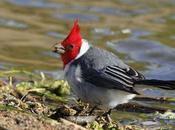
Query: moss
{"points": [[37, 85]]}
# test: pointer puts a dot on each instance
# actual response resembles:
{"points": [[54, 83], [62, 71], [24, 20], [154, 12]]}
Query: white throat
{"points": [[84, 48]]}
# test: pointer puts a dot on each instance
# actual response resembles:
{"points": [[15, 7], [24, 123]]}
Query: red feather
{"points": [[74, 38], [74, 35]]}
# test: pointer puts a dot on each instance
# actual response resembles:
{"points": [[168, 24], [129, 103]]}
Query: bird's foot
{"points": [[106, 116], [107, 113]]}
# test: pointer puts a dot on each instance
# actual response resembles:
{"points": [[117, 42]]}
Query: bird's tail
{"points": [[163, 84]]}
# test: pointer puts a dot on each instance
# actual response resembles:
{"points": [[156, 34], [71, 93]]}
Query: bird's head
{"points": [[70, 47]]}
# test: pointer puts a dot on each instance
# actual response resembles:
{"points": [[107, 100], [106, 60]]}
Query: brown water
{"points": [[140, 32]]}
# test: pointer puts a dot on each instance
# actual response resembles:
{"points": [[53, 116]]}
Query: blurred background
{"points": [[140, 32]]}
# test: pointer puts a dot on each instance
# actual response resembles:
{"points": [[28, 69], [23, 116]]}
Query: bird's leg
{"points": [[92, 110], [107, 115]]}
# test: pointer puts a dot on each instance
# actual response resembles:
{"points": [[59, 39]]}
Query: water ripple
{"points": [[113, 11], [56, 35], [136, 32], [103, 31], [152, 52], [36, 3], [12, 23], [81, 17]]}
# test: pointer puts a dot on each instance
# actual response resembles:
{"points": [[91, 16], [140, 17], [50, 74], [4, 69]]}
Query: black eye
{"points": [[69, 47]]}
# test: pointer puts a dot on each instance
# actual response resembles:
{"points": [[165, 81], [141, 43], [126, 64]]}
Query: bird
{"points": [[98, 76]]}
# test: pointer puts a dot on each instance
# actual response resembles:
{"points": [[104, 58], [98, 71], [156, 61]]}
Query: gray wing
{"points": [[104, 69], [113, 77]]}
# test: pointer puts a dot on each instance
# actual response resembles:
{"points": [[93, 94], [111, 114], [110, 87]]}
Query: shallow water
{"points": [[36, 3], [139, 32]]}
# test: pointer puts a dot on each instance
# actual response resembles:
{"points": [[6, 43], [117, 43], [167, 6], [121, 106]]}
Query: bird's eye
{"points": [[69, 47]]}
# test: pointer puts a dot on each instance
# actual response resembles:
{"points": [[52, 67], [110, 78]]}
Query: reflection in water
{"points": [[152, 52], [5, 66], [2, 66], [173, 17], [159, 20], [172, 37], [146, 50], [12, 23], [36, 3], [51, 54], [103, 31], [130, 2], [137, 32], [81, 17], [56, 35], [113, 11]]}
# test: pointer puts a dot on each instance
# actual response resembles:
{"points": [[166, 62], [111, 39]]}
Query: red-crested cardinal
{"points": [[98, 76]]}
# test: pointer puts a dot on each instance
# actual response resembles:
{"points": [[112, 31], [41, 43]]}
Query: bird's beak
{"points": [[58, 48]]}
